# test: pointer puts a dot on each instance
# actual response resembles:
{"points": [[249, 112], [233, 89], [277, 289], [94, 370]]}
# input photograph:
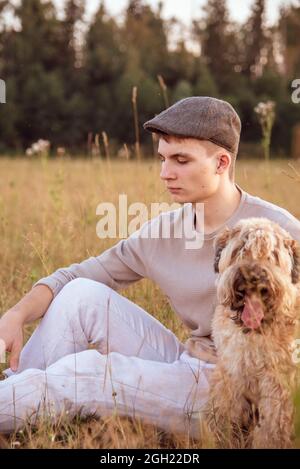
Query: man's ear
{"points": [[219, 244], [223, 162]]}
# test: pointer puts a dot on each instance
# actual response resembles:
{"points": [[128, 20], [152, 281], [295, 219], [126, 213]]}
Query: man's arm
{"points": [[32, 306], [117, 267], [292, 225]]}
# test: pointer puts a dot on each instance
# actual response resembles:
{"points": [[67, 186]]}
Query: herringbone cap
{"points": [[201, 117]]}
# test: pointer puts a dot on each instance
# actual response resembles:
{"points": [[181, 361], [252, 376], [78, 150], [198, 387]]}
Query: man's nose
{"points": [[167, 172]]}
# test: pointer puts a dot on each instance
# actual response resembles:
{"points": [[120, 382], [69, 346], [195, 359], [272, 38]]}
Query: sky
{"points": [[186, 10]]}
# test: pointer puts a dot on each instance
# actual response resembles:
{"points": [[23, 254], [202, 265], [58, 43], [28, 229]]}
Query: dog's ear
{"points": [[219, 244], [294, 249]]}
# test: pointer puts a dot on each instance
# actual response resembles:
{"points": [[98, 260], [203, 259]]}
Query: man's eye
{"points": [[182, 161]]}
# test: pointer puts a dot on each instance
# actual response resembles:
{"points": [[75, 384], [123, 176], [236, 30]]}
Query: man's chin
{"points": [[180, 198]]}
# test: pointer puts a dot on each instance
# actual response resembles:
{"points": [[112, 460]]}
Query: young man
{"points": [[139, 367]]}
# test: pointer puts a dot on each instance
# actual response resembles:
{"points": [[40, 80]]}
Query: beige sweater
{"points": [[186, 276]]}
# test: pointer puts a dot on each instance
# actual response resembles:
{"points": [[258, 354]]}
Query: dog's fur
{"points": [[250, 402]]}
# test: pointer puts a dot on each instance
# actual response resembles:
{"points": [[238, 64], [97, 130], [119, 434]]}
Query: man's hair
{"points": [[168, 138]]}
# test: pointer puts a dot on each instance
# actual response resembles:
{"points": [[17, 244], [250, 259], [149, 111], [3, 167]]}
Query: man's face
{"points": [[188, 168]]}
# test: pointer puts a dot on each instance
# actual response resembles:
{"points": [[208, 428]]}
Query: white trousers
{"points": [[136, 366]]}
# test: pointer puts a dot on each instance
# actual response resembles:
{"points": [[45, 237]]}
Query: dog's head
{"points": [[259, 267]]}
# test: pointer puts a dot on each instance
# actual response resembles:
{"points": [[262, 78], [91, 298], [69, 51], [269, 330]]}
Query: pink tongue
{"points": [[252, 314]]}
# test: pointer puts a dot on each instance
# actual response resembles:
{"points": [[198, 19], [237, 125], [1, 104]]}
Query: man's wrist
{"points": [[17, 314]]}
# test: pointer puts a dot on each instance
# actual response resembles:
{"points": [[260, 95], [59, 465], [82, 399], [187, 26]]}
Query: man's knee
{"points": [[85, 290]]}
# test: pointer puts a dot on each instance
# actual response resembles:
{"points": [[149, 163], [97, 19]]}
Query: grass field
{"points": [[48, 220]]}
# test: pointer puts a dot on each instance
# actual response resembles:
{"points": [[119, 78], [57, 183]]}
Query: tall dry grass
{"points": [[48, 220]]}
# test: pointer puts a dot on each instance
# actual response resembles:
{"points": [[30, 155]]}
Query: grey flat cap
{"points": [[200, 117]]}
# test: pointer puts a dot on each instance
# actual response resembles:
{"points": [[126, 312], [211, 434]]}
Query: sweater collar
{"points": [[229, 222]]}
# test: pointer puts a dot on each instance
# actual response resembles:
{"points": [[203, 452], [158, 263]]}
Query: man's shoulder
{"points": [[257, 207]]}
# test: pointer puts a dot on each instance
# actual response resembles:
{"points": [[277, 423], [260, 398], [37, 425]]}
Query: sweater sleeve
{"points": [[117, 267], [292, 225]]}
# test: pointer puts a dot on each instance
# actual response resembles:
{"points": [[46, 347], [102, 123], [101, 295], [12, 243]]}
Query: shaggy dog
{"points": [[254, 325]]}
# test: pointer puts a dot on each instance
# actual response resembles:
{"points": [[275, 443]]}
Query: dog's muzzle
{"points": [[251, 294]]}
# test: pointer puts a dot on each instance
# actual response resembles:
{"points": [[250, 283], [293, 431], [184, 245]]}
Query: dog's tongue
{"points": [[252, 314]]}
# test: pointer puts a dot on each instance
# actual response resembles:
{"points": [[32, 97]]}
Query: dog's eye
{"points": [[264, 291], [240, 293]]}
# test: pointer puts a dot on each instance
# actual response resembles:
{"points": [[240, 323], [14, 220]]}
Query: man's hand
{"points": [[11, 336], [31, 307]]}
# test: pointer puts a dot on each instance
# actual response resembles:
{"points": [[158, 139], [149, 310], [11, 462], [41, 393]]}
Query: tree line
{"points": [[65, 82]]}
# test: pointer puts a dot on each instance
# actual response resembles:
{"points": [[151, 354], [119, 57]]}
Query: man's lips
{"points": [[174, 189]]}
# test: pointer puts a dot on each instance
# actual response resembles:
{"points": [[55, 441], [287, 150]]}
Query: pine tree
{"points": [[35, 86], [289, 26], [255, 40], [144, 30], [74, 10], [104, 52], [219, 44], [104, 63], [180, 65]]}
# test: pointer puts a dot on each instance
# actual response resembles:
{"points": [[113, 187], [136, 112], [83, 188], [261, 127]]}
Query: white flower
{"points": [[265, 109], [35, 147], [43, 144], [39, 147]]}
